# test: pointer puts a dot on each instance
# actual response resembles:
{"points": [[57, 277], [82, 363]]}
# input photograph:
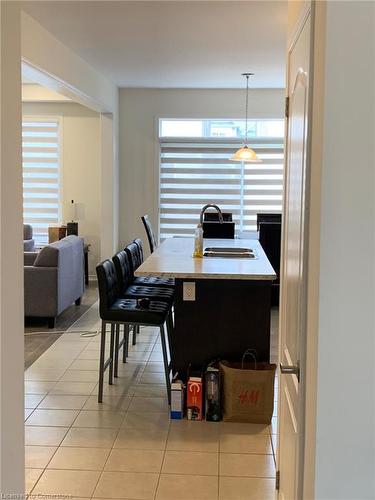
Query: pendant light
{"points": [[245, 153]]}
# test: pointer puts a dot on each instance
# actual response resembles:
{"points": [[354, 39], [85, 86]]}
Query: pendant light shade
{"points": [[245, 153]]}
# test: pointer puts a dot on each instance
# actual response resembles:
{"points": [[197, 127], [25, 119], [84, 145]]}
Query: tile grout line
{"points": [[143, 472], [141, 375], [45, 468], [162, 463]]}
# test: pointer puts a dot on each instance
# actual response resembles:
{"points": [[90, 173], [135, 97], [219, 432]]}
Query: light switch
{"points": [[188, 290]]}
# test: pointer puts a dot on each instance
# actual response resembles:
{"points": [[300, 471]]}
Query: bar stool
{"points": [[135, 252], [128, 286], [128, 289], [118, 311], [150, 233]]}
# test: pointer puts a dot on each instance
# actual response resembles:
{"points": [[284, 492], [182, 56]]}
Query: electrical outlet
{"points": [[188, 290]]}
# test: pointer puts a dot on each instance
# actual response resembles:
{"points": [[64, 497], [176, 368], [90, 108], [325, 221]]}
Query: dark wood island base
{"points": [[226, 318]]}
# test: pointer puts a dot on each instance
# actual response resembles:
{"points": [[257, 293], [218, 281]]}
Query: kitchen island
{"points": [[222, 305]]}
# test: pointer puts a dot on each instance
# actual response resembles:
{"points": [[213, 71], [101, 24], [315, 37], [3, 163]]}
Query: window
{"points": [[195, 169], [221, 128], [41, 175]]}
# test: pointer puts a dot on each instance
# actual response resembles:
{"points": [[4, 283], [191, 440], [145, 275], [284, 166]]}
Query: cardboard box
{"points": [[56, 233], [177, 400], [194, 398]]}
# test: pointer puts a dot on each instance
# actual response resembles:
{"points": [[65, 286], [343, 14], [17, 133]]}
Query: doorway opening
{"points": [[61, 196]]}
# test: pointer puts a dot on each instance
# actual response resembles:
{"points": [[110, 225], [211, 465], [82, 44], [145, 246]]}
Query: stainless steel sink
{"points": [[230, 253]]}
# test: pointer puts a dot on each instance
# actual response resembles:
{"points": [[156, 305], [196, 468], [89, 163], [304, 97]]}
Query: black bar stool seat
{"points": [[130, 288], [127, 311], [150, 292], [153, 281]]}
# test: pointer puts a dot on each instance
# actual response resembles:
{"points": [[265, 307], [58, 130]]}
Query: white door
{"points": [[293, 272]]}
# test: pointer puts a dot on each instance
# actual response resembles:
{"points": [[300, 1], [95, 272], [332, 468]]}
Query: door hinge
{"points": [[277, 480], [287, 107]]}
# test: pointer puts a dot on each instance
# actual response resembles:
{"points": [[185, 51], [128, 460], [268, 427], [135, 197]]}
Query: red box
{"points": [[194, 398]]}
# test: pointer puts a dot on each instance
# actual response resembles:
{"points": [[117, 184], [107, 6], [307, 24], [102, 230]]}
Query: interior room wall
{"points": [[32, 92], [140, 110], [81, 169]]}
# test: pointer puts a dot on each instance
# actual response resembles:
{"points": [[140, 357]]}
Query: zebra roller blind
{"points": [[194, 172], [41, 175]]}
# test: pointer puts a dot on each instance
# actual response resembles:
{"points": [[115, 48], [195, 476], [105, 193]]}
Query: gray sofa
{"points": [[54, 278], [28, 240]]}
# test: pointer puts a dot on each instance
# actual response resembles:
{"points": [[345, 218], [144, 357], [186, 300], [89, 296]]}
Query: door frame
{"points": [[307, 13], [108, 235], [12, 18]]}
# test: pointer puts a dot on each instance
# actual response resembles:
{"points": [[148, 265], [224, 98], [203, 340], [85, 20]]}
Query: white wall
{"points": [[81, 163], [345, 411], [139, 113], [32, 92]]}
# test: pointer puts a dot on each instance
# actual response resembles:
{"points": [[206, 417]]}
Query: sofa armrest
{"points": [[29, 258], [40, 286]]}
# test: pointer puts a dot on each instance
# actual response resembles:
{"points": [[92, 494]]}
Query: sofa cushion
{"points": [[47, 257], [29, 258]]}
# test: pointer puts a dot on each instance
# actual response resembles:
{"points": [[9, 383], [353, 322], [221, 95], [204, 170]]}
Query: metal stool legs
{"points": [[134, 334], [101, 362], [103, 365], [166, 362], [170, 326], [125, 349], [111, 350], [117, 347], [124, 344]]}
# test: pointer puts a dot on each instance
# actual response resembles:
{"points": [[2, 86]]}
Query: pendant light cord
{"points": [[247, 106], [247, 102]]}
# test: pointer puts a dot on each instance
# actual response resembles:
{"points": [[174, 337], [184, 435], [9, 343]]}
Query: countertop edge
{"points": [[206, 276]]}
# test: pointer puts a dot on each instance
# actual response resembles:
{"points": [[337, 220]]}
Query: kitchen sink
{"points": [[230, 252]]}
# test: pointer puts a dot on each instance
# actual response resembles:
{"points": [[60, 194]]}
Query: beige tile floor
{"points": [[127, 448]]}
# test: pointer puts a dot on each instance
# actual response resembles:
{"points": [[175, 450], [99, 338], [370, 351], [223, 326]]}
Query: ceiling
{"points": [[188, 44]]}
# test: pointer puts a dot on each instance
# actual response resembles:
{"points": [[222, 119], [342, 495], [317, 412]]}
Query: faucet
{"points": [[211, 205]]}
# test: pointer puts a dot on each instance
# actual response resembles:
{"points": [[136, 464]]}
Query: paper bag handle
{"points": [[252, 353]]}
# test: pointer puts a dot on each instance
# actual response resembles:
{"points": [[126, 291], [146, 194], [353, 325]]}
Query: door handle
{"points": [[290, 370]]}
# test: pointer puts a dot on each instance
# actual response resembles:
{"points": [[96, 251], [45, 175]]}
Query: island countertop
{"points": [[173, 259]]}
